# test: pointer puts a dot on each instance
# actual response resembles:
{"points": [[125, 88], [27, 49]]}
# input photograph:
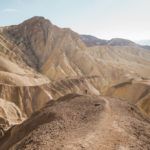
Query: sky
{"points": [[106, 19]]}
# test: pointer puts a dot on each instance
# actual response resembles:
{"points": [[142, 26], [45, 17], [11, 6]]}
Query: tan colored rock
{"points": [[79, 85], [20, 84], [135, 91], [60, 53], [10, 114]]}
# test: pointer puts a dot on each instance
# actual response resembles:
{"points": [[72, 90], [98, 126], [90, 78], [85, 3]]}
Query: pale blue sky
{"points": [[103, 18]]}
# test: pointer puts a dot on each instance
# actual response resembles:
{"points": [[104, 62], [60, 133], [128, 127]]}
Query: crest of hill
{"points": [[81, 122], [94, 41]]}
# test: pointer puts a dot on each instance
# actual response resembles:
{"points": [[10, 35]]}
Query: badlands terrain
{"points": [[62, 90]]}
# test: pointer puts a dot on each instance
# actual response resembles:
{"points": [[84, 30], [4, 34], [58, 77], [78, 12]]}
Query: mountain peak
{"points": [[36, 20], [90, 40], [120, 42]]}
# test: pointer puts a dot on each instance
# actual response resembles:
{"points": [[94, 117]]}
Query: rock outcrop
{"points": [[10, 114]]}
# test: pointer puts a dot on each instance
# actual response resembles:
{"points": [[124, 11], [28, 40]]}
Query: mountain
{"points": [[24, 87], [81, 122], [19, 83], [48, 42], [93, 41], [120, 42], [37, 48], [146, 47], [41, 63], [60, 53], [144, 42]]}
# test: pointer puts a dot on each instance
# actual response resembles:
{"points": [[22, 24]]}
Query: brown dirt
{"points": [[76, 122]]}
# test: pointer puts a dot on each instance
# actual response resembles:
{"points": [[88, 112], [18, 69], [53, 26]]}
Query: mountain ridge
{"points": [[94, 41], [78, 121]]}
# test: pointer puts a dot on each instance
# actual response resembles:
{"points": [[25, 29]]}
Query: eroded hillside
{"points": [[40, 63], [61, 52], [135, 91]]}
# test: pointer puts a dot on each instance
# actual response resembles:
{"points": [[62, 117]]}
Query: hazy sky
{"points": [[103, 18]]}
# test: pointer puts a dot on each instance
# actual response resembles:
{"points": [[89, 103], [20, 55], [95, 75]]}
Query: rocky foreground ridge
{"points": [[81, 122]]}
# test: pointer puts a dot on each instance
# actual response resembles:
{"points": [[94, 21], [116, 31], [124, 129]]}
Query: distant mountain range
{"points": [[90, 41], [144, 42], [93, 41]]}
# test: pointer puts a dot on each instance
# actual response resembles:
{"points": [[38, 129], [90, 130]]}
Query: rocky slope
{"points": [[60, 52], [92, 41], [10, 114], [23, 86], [40, 62], [19, 84], [80, 85], [135, 91], [81, 122], [36, 45]]}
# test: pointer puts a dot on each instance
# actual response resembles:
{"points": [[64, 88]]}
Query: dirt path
{"points": [[107, 134]]}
